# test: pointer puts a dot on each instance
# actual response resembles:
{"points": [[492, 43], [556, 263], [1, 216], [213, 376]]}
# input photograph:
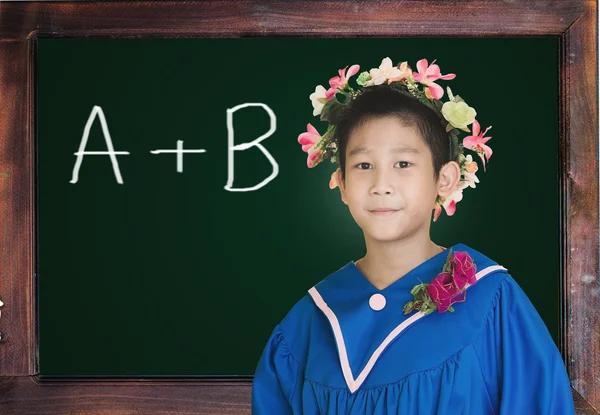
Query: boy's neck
{"points": [[386, 263]]}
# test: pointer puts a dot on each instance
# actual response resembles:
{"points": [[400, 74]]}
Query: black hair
{"points": [[380, 101]]}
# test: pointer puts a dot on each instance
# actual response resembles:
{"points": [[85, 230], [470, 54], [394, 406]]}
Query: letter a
{"points": [[111, 152]]}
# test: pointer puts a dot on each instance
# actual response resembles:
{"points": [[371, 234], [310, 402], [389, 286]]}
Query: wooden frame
{"points": [[574, 22]]}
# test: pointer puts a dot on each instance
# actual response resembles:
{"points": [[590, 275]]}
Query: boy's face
{"points": [[377, 177]]}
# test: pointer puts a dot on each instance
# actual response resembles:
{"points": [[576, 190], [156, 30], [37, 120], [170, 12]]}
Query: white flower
{"points": [[318, 99], [385, 71], [469, 173], [458, 114], [471, 179], [455, 196]]}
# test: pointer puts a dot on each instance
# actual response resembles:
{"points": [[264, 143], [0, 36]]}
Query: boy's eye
{"points": [[362, 164], [403, 165]]}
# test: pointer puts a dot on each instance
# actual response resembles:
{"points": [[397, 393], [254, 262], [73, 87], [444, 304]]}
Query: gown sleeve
{"points": [[276, 378], [522, 368]]}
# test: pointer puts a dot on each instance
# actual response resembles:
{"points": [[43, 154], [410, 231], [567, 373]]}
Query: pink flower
{"points": [[444, 292], [427, 75], [308, 140], [464, 269], [449, 203], [437, 212], [450, 207], [404, 72], [340, 81], [313, 158], [333, 181], [476, 142]]}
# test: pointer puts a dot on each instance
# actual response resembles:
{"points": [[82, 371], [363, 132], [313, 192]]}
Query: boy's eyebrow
{"points": [[363, 150]]}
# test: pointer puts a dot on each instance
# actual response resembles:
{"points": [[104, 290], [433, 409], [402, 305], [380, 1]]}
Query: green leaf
{"points": [[427, 102], [363, 78], [331, 111], [426, 298], [447, 265], [451, 309], [415, 290]]}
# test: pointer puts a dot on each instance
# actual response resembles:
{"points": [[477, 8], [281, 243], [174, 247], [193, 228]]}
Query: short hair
{"points": [[380, 101]]}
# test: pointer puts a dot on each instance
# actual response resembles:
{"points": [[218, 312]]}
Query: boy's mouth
{"points": [[384, 211]]}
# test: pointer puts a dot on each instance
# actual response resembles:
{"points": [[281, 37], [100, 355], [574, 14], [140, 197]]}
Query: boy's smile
{"points": [[384, 212]]}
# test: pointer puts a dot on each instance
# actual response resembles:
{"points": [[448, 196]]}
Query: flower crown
{"points": [[455, 115]]}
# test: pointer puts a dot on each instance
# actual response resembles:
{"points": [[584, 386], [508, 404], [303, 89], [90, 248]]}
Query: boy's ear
{"points": [[448, 178], [341, 185]]}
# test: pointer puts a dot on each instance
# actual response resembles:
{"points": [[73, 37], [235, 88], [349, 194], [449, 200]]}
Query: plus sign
{"points": [[179, 152]]}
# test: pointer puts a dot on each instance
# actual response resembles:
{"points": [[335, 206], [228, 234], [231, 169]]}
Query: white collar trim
{"points": [[354, 384]]}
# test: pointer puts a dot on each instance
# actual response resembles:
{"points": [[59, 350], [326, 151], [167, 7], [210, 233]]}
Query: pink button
{"points": [[377, 302]]}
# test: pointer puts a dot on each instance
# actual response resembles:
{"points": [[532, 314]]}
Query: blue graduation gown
{"points": [[334, 353]]}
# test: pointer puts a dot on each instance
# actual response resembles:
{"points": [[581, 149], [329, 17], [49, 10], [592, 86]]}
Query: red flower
{"points": [[444, 292], [447, 288], [464, 269]]}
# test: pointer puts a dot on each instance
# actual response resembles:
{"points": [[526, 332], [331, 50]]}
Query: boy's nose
{"points": [[383, 183]]}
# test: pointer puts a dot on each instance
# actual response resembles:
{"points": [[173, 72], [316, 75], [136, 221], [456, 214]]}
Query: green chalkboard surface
{"points": [[154, 264]]}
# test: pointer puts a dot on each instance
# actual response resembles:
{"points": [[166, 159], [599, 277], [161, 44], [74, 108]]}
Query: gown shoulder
{"points": [[522, 368]]}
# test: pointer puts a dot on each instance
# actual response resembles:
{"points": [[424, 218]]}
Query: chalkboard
{"points": [[152, 263]]}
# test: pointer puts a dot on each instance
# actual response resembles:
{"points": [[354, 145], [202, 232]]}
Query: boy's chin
{"points": [[384, 235]]}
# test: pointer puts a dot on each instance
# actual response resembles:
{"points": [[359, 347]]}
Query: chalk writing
{"points": [[179, 151]]}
